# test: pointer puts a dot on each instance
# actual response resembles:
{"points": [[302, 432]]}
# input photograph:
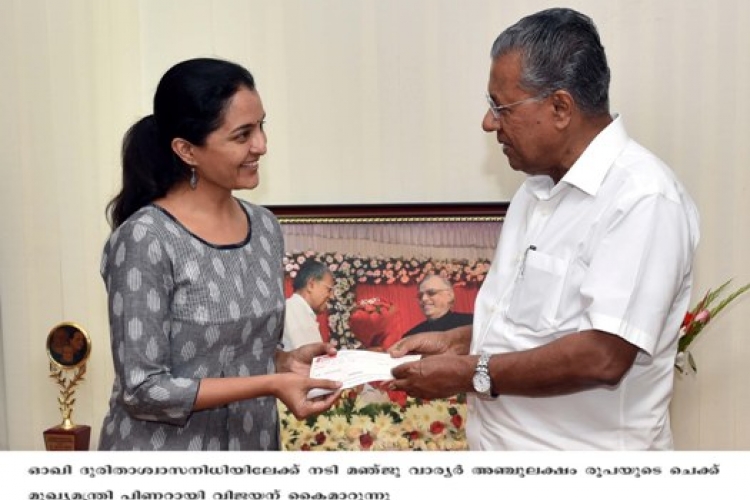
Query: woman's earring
{"points": [[193, 178]]}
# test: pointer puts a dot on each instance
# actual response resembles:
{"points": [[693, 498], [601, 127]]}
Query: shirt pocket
{"points": [[537, 292]]}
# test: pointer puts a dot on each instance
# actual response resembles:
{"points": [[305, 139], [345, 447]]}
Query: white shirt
{"points": [[300, 324], [610, 247]]}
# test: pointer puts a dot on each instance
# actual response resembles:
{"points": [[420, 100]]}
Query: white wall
{"points": [[368, 101]]}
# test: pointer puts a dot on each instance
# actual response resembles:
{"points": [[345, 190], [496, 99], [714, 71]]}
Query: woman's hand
{"points": [[292, 390], [299, 360]]}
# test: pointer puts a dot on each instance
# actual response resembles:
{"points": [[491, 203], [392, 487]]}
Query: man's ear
{"points": [[563, 105], [184, 149]]}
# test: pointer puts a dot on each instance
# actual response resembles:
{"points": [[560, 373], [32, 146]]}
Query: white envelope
{"points": [[353, 367]]}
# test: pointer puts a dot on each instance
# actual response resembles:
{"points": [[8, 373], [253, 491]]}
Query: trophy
{"points": [[68, 348]]}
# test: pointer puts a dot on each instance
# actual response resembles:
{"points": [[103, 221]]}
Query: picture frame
{"points": [[68, 345], [379, 254], [367, 246], [394, 212]]}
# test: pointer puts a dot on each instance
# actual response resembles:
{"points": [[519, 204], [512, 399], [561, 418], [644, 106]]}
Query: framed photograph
{"points": [[379, 256], [68, 346]]}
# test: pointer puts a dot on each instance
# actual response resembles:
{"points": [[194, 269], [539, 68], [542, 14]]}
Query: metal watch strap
{"points": [[483, 363], [483, 370]]}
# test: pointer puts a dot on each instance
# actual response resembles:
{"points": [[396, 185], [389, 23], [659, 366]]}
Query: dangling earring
{"points": [[193, 179]]}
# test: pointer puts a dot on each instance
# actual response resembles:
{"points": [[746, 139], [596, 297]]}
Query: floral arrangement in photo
{"points": [[696, 320], [370, 417], [375, 420], [375, 306], [369, 322]]}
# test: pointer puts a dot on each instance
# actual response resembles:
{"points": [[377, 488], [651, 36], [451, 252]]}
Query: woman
{"points": [[194, 277]]}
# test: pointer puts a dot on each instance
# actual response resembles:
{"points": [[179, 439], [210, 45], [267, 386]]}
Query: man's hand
{"points": [[299, 360], [433, 377], [455, 341]]}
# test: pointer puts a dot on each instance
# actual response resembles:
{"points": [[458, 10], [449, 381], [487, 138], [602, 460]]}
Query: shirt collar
{"points": [[299, 298], [590, 169]]}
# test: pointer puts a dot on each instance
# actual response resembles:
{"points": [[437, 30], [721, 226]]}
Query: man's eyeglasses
{"points": [[498, 111], [431, 292]]}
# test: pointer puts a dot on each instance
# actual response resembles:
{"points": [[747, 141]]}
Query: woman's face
{"points": [[230, 156]]}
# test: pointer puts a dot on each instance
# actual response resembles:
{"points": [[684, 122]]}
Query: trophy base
{"points": [[59, 438]]}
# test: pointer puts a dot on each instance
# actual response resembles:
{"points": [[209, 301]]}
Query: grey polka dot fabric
{"points": [[180, 310]]}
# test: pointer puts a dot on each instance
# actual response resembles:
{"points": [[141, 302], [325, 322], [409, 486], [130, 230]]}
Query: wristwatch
{"points": [[482, 382]]}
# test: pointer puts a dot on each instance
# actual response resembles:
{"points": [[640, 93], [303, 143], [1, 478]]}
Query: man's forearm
{"points": [[460, 339]]}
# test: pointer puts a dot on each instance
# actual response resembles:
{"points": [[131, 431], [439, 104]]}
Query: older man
{"points": [[313, 287], [576, 325], [436, 299]]}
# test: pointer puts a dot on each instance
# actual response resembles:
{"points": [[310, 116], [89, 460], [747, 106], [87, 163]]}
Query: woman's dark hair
{"points": [[189, 103]]}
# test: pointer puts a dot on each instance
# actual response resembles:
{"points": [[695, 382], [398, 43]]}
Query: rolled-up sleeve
{"points": [[139, 278]]}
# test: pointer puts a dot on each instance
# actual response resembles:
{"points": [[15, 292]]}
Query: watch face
{"points": [[481, 383]]}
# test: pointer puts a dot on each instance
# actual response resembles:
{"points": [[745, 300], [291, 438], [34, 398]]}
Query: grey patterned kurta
{"points": [[181, 310]]}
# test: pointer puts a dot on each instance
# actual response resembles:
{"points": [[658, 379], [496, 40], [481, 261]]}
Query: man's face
{"points": [[435, 298], [525, 129], [320, 292]]}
